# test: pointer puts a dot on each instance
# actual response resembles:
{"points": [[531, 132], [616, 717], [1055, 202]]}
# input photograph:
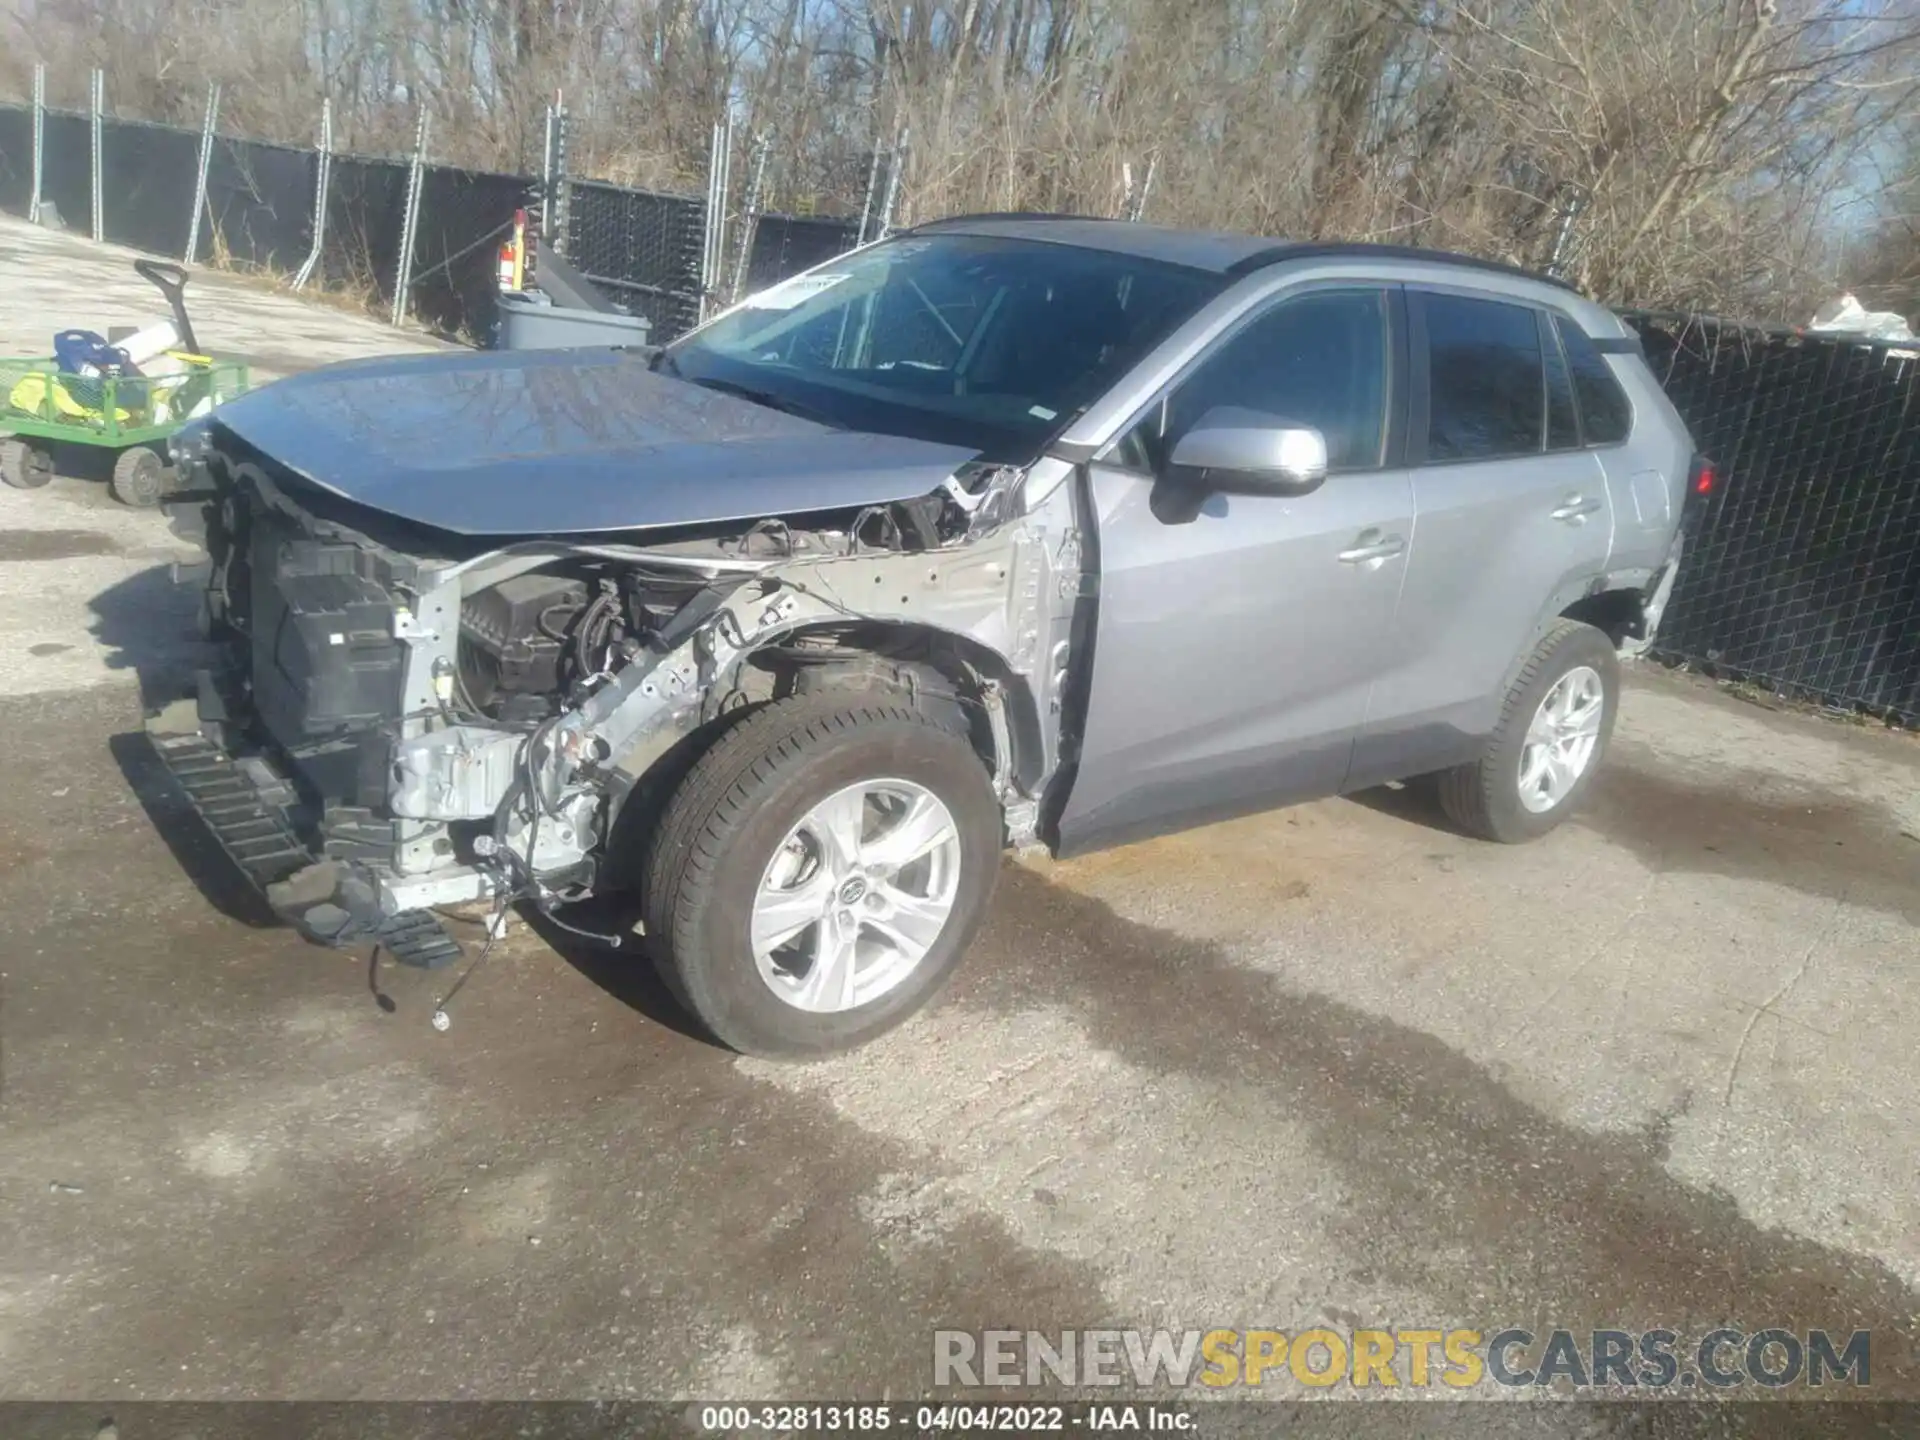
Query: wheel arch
{"points": [[1619, 613], [920, 657]]}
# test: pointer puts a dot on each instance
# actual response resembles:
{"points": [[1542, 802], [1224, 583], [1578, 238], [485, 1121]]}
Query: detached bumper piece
{"points": [[327, 901]]}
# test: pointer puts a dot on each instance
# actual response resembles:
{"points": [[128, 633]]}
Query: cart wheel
{"points": [[139, 478], [24, 466]]}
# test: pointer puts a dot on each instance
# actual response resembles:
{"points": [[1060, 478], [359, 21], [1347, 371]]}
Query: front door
{"points": [[1236, 641]]}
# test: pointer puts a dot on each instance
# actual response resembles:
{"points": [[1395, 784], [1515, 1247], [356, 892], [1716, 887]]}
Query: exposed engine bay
{"points": [[461, 720]]}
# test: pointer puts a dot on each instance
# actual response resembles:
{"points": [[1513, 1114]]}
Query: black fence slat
{"points": [[147, 206], [1805, 574], [68, 179], [259, 202], [464, 217], [785, 245], [366, 206], [645, 247], [16, 158]]}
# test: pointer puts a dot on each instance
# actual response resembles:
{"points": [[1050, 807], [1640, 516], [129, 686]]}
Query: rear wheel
{"points": [[820, 871], [1552, 734], [23, 465], [139, 478]]}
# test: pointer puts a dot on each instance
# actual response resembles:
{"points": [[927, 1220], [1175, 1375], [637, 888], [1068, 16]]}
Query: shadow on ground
{"points": [[626, 971], [149, 625], [1812, 840], [1417, 801]]}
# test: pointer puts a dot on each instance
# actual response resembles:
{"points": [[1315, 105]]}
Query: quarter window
{"points": [[1606, 417], [1486, 397], [1318, 359]]}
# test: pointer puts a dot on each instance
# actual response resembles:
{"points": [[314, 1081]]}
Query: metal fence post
{"points": [[750, 213], [322, 179], [556, 210], [546, 179], [550, 172], [97, 103], [719, 160], [403, 269], [1571, 206], [39, 141], [200, 178]]}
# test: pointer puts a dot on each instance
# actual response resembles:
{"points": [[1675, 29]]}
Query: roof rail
{"points": [[1000, 215], [1361, 250]]}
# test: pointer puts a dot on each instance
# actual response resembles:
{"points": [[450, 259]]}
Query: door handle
{"points": [[1373, 546], [1576, 509]]}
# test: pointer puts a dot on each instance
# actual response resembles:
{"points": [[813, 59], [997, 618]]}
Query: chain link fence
{"points": [[16, 159], [1805, 575], [643, 248], [259, 206], [784, 245], [649, 250]]}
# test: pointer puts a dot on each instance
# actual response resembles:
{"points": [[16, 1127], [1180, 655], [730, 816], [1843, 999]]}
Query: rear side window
{"points": [[1605, 415], [1563, 420], [1486, 397]]}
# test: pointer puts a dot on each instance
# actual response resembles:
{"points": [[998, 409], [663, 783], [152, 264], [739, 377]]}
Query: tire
{"points": [[139, 478], [24, 465], [742, 811], [1486, 798]]}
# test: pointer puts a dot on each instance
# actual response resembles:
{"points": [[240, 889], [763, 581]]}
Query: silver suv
{"points": [[1008, 530]]}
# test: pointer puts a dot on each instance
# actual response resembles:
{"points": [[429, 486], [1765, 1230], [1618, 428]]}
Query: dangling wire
{"points": [[496, 926]]}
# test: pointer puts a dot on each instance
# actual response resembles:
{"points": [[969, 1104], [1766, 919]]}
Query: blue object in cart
{"points": [[82, 353]]}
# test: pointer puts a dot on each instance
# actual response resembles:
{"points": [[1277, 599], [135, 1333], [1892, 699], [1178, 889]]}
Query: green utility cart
{"points": [[133, 411]]}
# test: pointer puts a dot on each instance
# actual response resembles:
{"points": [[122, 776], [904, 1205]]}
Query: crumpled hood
{"points": [[565, 442]]}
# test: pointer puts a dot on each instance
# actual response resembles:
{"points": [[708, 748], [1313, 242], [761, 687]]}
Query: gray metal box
{"points": [[531, 321]]}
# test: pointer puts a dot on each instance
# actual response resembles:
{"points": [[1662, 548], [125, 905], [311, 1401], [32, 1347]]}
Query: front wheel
{"points": [[820, 871], [139, 478], [1552, 734]]}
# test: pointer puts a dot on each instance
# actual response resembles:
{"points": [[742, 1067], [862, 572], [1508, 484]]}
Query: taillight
{"points": [[1702, 479]]}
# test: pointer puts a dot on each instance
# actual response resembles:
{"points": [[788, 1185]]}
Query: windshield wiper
{"points": [[773, 400]]}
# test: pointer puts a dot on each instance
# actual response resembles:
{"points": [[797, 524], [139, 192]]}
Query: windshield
{"points": [[972, 340]]}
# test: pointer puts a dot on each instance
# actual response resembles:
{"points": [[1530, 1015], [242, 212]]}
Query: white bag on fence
{"points": [[1847, 316]]}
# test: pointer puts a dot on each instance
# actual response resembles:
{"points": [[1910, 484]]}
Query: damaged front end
{"points": [[408, 717]]}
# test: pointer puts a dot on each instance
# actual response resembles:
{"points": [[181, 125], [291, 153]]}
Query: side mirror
{"points": [[1249, 453]]}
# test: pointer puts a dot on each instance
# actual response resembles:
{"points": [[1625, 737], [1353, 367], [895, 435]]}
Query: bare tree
{"points": [[1671, 152]]}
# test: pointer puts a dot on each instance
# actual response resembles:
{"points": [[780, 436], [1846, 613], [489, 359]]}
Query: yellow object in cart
{"points": [[31, 395]]}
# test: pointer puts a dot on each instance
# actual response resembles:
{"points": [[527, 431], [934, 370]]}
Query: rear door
{"points": [[1237, 637], [1642, 479], [1512, 516]]}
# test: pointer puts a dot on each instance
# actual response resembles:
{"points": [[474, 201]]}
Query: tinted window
{"points": [[1486, 395], [1563, 421], [1604, 412], [1318, 360]]}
